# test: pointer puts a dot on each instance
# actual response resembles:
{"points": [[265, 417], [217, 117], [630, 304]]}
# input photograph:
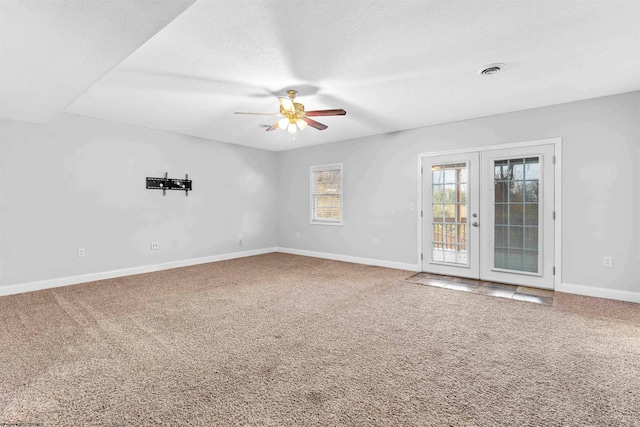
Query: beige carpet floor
{"points": [[286, 340]]}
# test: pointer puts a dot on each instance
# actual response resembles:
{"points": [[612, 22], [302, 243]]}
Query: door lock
{"points": [[475, 224], [475, 215]]}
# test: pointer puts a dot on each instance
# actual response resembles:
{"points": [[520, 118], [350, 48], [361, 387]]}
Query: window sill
{"points": [[325, 222]]}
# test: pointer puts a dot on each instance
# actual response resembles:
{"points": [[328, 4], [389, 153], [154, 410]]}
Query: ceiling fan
{"points": [[294, 117]]}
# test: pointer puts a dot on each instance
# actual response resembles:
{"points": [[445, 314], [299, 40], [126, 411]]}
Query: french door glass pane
{"points": [[449, 218], [516, 184]]}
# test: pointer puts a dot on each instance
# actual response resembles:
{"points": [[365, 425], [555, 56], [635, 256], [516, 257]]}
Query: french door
{"points": [[489, 215]]}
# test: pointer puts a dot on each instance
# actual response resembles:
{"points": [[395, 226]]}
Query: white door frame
{"points": [[557, 143]]}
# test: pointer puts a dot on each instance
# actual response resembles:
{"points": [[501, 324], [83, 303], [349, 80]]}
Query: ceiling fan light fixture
{"points": [[301, 124], [286, 104], [283, 123], [292, 128]]}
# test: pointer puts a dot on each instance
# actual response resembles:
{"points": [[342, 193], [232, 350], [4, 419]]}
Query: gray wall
{"points": [[600, 187], [80, 182]]}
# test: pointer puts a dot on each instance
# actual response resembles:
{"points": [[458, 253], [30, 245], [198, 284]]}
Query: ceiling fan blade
{"points": [[261, 114], [315, 124], [287, 104], [273, 127], [336, 112]]}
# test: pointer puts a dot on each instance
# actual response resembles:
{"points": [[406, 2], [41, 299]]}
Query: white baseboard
{"points": [[599, 292], [92, 277], [353, 259], [84, 278]]}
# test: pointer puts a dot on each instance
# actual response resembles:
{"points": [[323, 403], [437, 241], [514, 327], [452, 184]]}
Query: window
{"points": [[326, 194]]}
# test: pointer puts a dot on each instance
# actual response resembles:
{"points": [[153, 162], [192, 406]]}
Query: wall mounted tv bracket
{"points": [[166, 183]]}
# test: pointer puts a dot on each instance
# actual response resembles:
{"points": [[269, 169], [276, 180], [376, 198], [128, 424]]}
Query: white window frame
{"points": [[312, 186]]}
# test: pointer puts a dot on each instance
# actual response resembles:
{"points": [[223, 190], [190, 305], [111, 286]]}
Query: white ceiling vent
{"points": [[491, 69]]}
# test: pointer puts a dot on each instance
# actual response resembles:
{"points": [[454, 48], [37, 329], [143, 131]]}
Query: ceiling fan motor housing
{"points": [[298, 112]]}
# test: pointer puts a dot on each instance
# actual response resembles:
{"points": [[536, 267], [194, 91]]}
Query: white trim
{"points": [[520, 144], [352, 259], [557, 143], [419, 214], [73, 280], [91, 277], [558, 210], [599, 292]]}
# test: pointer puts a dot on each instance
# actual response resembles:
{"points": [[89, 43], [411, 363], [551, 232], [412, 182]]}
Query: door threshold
{"points": [[483, 287]]}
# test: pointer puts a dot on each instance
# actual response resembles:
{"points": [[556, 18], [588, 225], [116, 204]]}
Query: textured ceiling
{"points": [[52, 51], [393, 65]]}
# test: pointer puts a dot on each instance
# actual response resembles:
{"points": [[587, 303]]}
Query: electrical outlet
{"points": [[375, 242], [155, 245], [607, 261], [80, 252], [298, 234]]}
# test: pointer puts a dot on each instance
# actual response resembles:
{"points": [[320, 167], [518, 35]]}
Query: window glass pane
{"points": [[531, 168], [438, 193], [531, 191], [449, 176], [449, 204], [450, 213], [501, 192], [530, 262], [463, 174], [437, 255], [450, 193], [462, 213], [319, 182], [438, 235], [326, 194], [500, 258], [531, 214], [516, 237], [450, 235], [516, 214], [438, 213], [328, 207], [518, 170], [501, 240], [501, 214], [516, 191], [462, 234], [437, 175], [450, 256], [462, 193], [531, 238], [501, 170], [329, 181], [515, 260]]}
